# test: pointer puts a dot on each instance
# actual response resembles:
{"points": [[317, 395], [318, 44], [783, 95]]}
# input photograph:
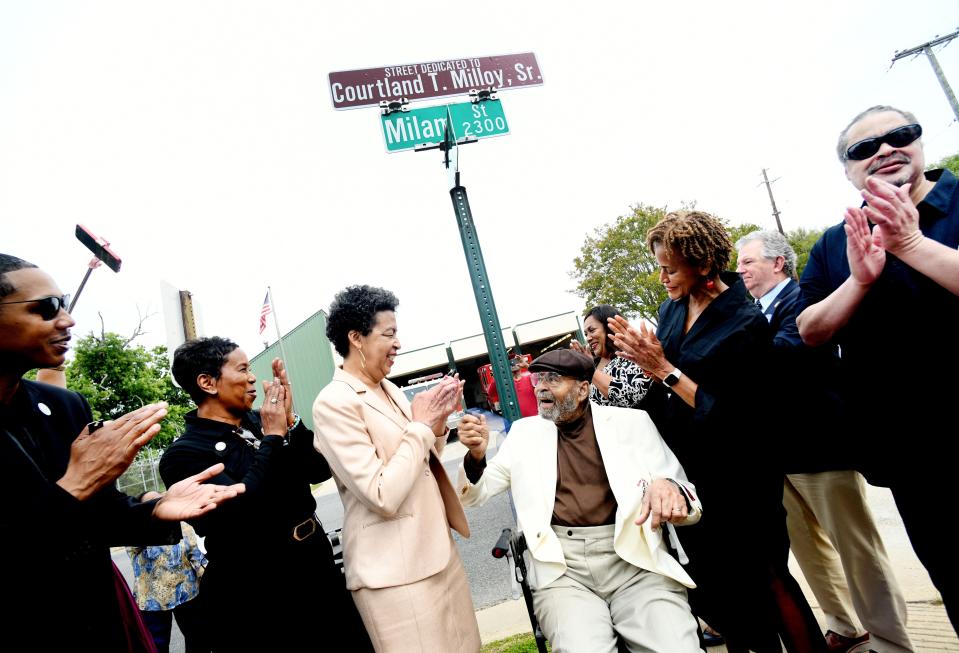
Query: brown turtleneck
{"points": [[583, 495]]}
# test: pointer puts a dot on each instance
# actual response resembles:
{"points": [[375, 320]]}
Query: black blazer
{"points": [[59, 579], [785, 308]]}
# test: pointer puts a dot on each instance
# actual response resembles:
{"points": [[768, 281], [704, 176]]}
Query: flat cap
{"points": [[565, 362]]}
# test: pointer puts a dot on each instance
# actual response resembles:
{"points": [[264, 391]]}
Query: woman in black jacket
{"points": [[271, 583], [710, 355]]}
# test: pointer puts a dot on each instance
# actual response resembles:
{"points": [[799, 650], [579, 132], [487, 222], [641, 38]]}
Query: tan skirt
{"points": [[430, 616]]}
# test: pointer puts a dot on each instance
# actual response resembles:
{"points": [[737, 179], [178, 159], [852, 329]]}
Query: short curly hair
{"points": [[354, 309], [696, 237], [200, 356]]}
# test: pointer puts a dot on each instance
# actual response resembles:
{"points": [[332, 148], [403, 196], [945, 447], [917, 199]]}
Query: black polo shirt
{"points": [[899, 350]]}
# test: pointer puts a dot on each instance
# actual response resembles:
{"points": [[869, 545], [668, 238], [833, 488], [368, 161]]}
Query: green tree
{"points": [[802, 241], [951, 163], [615, 266], [116, 376]]}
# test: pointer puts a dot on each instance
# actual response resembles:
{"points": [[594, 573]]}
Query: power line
{"points": [[926, 48]]}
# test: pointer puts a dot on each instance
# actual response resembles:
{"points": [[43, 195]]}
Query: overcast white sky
{"points": [[200, 139]]}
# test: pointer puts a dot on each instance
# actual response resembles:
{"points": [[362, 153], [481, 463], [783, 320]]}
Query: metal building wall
{"points": [[309, 364]]}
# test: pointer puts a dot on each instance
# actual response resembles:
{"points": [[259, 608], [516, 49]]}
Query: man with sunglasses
{"points": [[594, 488], [61, 512], [884, 287]]}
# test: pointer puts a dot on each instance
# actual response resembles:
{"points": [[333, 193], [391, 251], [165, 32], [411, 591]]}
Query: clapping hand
{"points": [[191, 497], [865, 251], [578, 347], [433, 406], [896, 218], [280, 376], [639, 345], [273, 413], [98, 458]]}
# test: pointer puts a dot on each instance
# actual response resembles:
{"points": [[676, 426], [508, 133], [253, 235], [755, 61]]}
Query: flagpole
{"points": [[279, 338]]}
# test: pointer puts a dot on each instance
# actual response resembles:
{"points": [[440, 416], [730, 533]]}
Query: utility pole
{"points": [[769, 189], [926, 48]]}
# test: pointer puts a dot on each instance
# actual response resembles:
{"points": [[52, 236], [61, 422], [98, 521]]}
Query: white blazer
{"points": [[632, 451]]}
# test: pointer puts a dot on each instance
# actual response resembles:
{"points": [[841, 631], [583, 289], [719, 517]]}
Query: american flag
{"points": [[264, 311]]}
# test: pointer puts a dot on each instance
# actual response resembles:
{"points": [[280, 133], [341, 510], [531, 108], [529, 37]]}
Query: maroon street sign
{"points": [[364, 88]]}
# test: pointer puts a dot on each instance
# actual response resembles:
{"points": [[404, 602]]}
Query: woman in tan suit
{"points": [[401, 563]]}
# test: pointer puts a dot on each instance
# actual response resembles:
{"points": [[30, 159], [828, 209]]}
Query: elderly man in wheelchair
{"points": [[596, 492]]}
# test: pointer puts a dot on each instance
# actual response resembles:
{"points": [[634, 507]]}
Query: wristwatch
{"points": [[672, 378]]}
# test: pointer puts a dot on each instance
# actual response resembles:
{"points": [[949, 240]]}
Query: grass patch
{"points": [[523, 643]]}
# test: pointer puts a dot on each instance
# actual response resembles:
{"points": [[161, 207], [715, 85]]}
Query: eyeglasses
{"points": [[552, 379], [48, 307], [898, 137]]}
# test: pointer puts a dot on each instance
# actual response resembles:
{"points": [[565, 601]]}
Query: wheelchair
{"points": [[335, 537], [512, 545]]}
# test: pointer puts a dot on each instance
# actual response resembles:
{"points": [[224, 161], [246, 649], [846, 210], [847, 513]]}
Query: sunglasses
{"points": [[47, 307], [898, 137]]}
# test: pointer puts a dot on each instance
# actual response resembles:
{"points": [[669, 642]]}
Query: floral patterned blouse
{"points": [[167, 576], [626, 387]]}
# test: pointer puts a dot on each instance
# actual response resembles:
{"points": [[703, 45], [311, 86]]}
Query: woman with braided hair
{"points": [[709, 355]]}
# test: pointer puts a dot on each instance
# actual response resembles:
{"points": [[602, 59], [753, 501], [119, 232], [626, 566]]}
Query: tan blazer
{"points": [[398, 500]]}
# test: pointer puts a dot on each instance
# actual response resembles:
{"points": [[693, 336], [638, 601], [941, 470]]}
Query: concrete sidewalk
{"points": [[928, 625]]}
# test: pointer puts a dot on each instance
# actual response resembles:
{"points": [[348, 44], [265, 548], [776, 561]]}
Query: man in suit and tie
{"points": [[594, 489], [831, 529]]}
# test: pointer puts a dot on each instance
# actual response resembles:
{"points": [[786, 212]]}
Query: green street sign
{"points": [[427, 126]]}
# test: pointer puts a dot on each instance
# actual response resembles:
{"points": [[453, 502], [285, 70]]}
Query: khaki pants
{"points": [[835, 540], [601, 595]]}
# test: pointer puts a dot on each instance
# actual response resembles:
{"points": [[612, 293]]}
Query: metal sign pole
{"points": [[478, 277], [449, 144], [484, 302]]}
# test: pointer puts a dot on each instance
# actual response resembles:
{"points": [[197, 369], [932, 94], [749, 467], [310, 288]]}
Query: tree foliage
{"points": [[950, 163], [615, 266], [116, 376]]}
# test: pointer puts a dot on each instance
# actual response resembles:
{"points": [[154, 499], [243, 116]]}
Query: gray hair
{"points": [[774, 246], [843, 145]]}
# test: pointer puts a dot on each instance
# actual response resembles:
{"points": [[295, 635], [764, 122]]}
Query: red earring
{"points": [[710, 284]]}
